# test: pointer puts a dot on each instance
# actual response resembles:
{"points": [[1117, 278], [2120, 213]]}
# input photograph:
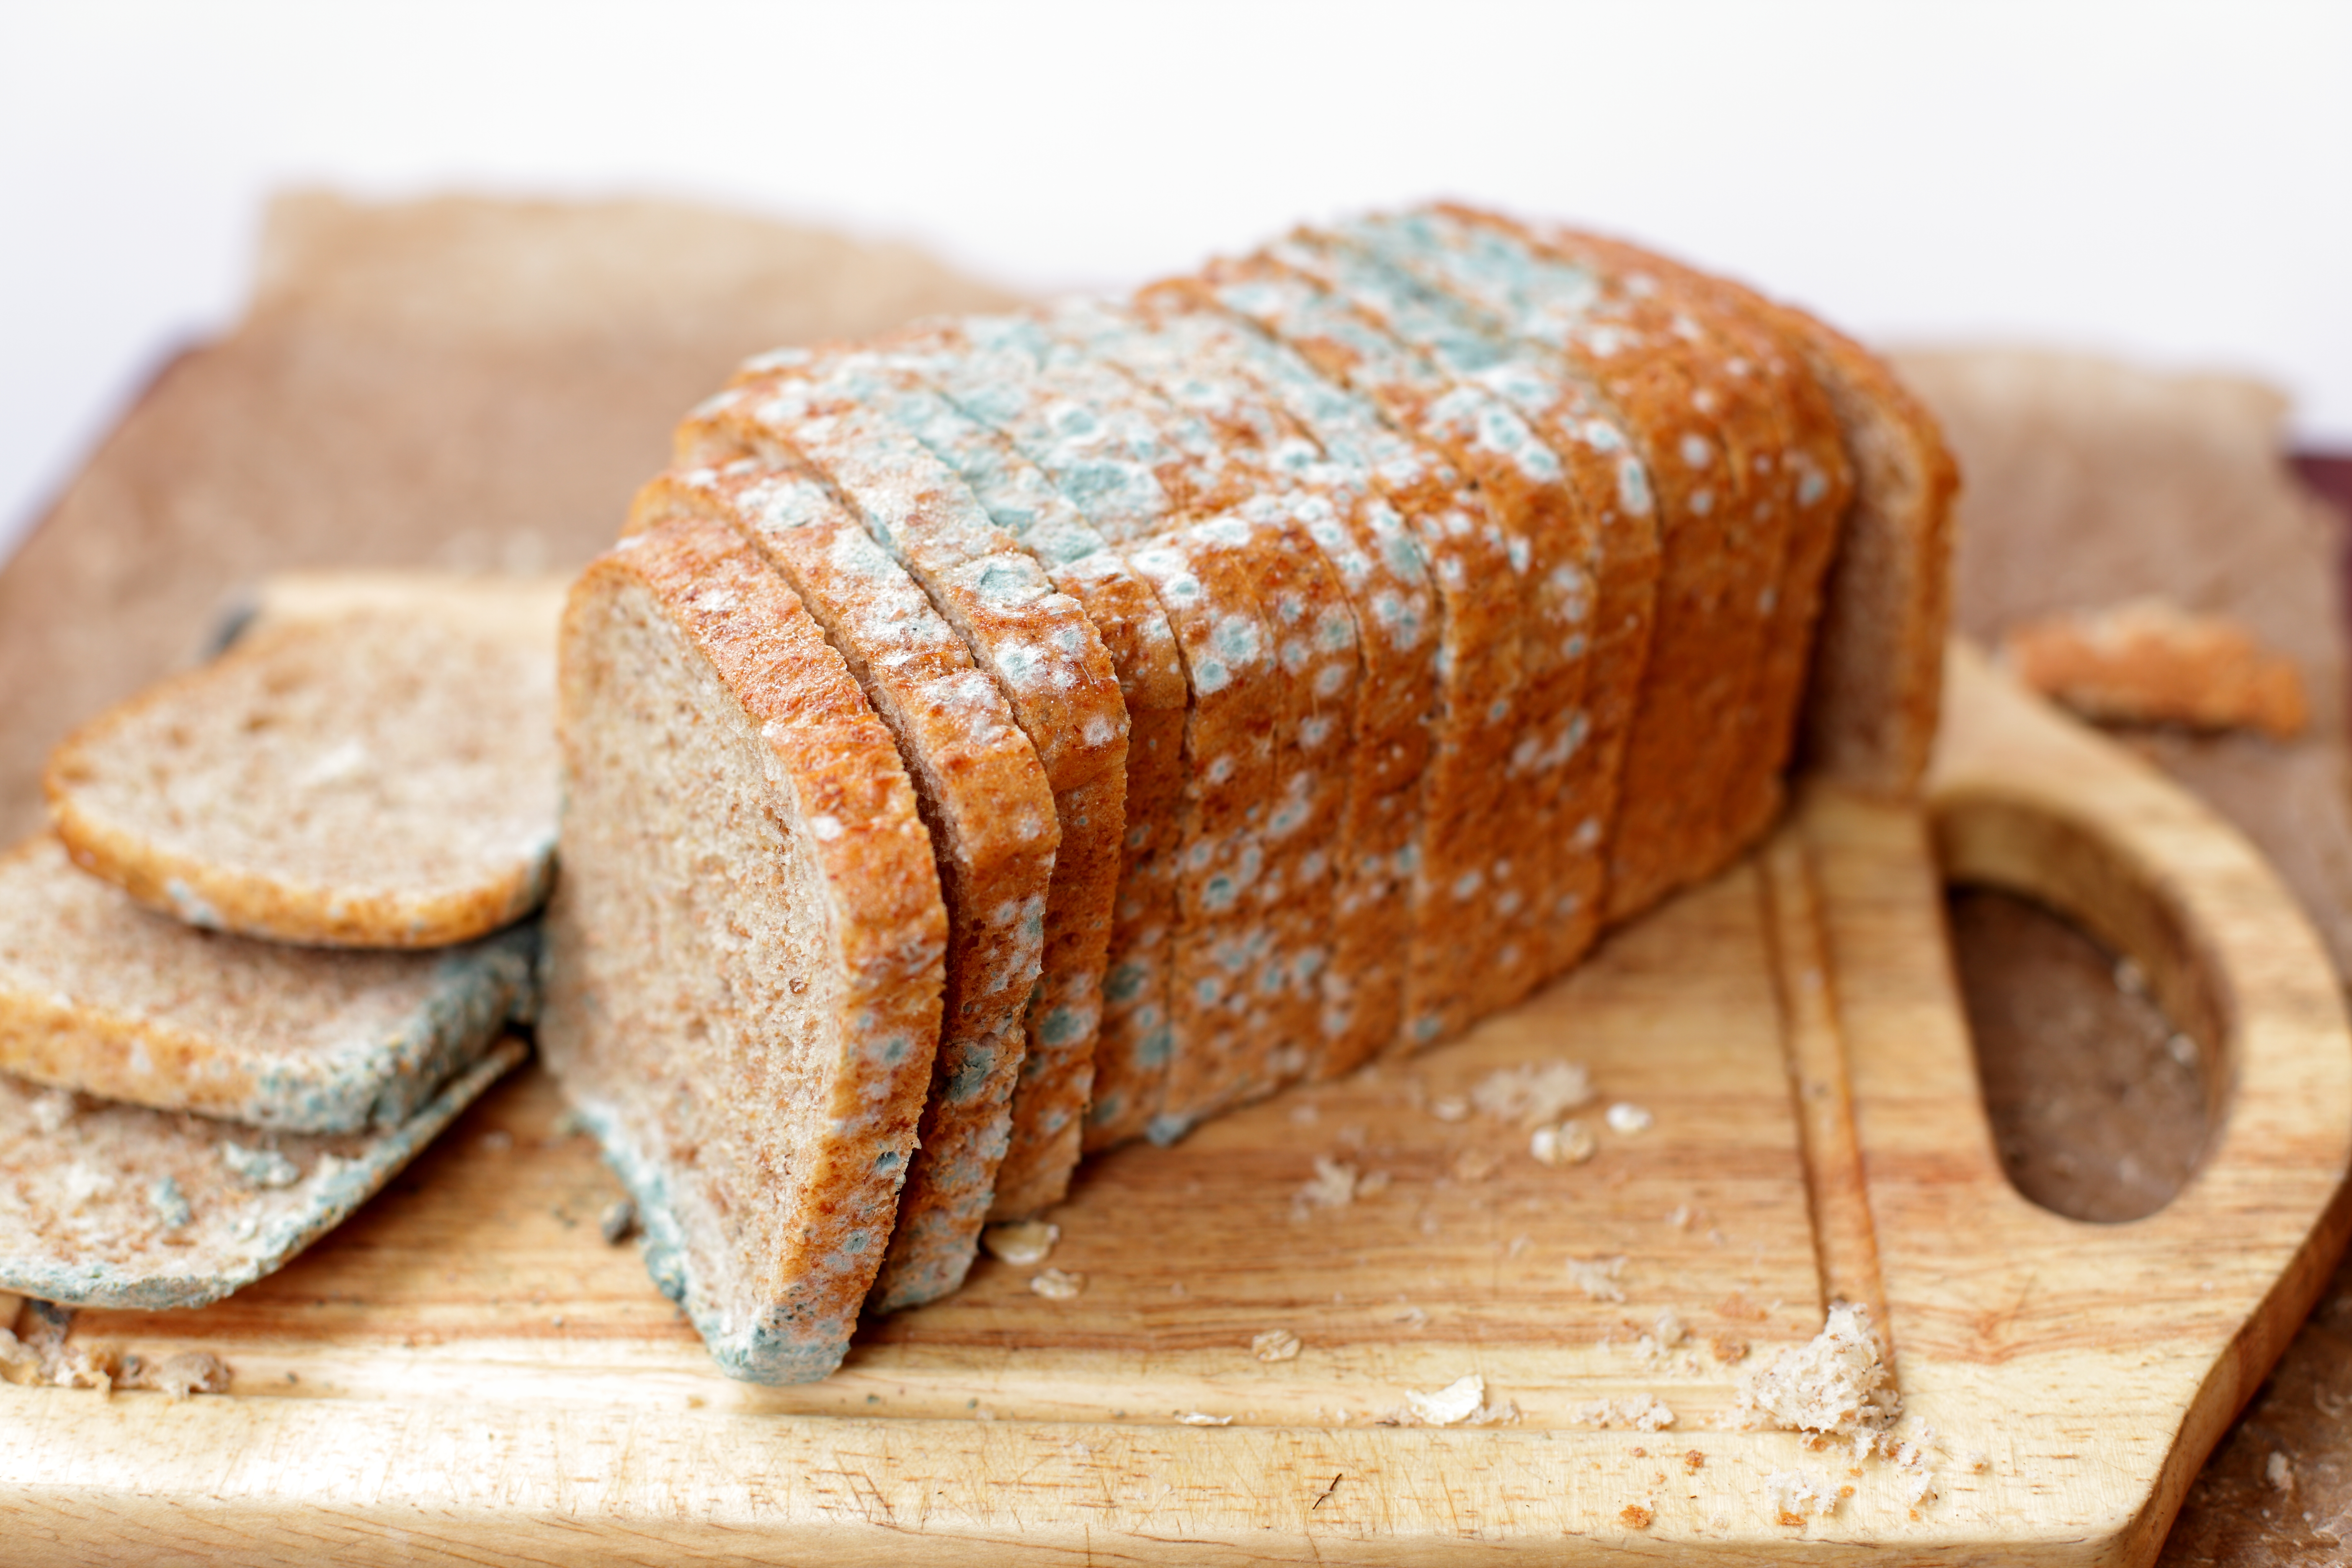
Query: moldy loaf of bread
{"points": [[1372, 621]]}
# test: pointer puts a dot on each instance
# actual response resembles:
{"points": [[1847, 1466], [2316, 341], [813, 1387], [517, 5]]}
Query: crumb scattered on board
{"points": [[1023, 1244], [42, 1357], [1596, 1276], [2149, 661], [1056, 1285], [1274, 1344]]}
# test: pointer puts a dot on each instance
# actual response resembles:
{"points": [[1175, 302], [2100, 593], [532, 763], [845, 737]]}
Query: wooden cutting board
{"points": [[469, 1372]]}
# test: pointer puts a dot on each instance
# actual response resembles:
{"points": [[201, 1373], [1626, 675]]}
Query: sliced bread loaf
{"points": [[99, 994], [104, 1205], [745, 951], [384, 778]]}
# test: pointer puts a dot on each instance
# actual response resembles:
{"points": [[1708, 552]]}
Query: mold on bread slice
{"points": [[1295, 531], [1467, 897], [1784, 439], [1707, 629], [1078, 561], [984, 796], [1874, 686], [104, 1205], [1394, 551], [745, 953], [1057, 676], [1242, 977], [1556, 865], [383, 778], [1619, 577], [99, 994]]}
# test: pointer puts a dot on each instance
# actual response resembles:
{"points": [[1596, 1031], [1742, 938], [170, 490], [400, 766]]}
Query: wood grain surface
{"points": [[470, 1372]]}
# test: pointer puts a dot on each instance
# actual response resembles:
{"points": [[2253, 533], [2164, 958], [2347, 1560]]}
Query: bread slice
{"points": [[1245, 972], [1566, 501], [1473, 917], [984, 798], [101, 995], [104, 1205], [382, 778], [1591, 436], [1051, 664], [745, 953], [1784, 441], [1874, 688], [1322, 489], [1131, 1045], [489, 600], [1714, 551]]}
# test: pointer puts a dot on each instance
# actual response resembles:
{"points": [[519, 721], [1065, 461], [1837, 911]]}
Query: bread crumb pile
{"points": [[1835, 1385]]}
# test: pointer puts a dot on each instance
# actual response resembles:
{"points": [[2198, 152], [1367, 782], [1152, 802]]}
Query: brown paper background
{"points": [[482, 384]]}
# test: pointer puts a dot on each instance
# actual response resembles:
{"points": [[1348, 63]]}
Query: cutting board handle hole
{"points": [[2093, 1019]]}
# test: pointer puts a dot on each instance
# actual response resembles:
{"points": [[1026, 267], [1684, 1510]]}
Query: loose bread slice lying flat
{"points": [[745, 953], [380, 778], [101, 995], [115, 1205]]}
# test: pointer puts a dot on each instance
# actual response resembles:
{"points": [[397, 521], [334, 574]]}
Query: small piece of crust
{"points": [[384, 778], [115, 1205], [2152, 662], [101, 995], [746, 950]]}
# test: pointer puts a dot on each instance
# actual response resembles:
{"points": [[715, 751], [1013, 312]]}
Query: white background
{"points": [[2173, 182]]}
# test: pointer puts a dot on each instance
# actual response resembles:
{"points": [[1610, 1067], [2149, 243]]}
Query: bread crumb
{"points": [[1670, 1329], [1635, 1517], [2279, 1471], [1728, 1349], [1274, 1344], [618, 1221], [1532, 1094], [1450, 1108], [1302, 1113], [1455, 1403], [1570, 1143], [1334, 1186], [1627, 1119], [178, 1377], [2151, 662], [1641, 1412], [1921, 1489], [1834, 1386], [1694, 1461], [1798, 1495], [1596, 1276], [1057, 1286], [1197, 1419], [1021, 1244]]}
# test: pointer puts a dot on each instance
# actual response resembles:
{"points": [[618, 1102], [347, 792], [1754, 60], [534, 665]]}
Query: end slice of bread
{"points": [[384, 778], [101, 995], [116, 1206], [745, 953]]}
